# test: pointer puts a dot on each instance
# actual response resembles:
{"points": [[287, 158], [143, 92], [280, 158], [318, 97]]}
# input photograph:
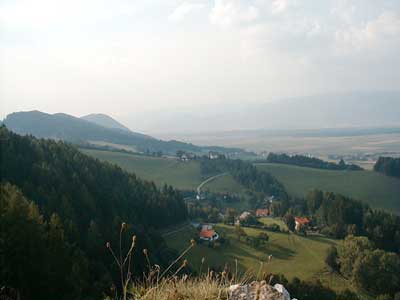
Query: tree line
{"points": [[61, 206], [389, 166], [309, 162]]}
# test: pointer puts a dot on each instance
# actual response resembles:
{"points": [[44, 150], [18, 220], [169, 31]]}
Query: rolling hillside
{"points": [[376, 189], [184, 176]]}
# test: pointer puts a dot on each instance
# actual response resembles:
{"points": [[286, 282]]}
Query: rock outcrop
{"points": [[258, 291]]}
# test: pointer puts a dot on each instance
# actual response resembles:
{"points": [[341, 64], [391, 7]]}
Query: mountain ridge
{"points": [[61, 126], [105, 121]]}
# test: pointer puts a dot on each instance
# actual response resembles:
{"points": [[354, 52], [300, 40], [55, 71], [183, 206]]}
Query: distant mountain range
{"points": [[346, 110], [96, 128]]}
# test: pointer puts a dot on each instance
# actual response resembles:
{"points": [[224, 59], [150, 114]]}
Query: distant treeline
{"points": [[388, 165], [310, 162], [59, 207], [246, 174]]}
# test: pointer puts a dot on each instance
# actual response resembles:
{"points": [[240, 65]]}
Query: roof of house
{"points": [[301, 221], [207, 233], [262, 212]]}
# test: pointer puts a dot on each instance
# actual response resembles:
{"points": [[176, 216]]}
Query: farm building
{"points": [[262, 212], [300, 222]]}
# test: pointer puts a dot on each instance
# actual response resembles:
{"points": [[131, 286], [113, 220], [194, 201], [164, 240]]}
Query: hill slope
{"points": [[72, 129], [376, 189], [86, 201], [105, 121]]}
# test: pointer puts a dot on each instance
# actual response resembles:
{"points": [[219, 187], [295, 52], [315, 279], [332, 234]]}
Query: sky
{"points": [[128, 57]]}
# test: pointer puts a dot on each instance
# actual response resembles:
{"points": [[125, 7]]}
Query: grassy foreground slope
{"points": [[293, 255], [376, 189]]}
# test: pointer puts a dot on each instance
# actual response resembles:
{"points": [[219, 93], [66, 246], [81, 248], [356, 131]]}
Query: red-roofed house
{"points": [[301, 222], [208, 235], [262, 212]]}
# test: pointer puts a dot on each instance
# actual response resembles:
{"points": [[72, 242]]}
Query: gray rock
{"points": [[255, 291]]}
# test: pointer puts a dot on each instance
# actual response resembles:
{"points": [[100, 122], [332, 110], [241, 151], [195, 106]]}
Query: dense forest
{"points": [[58, 208], [388, 165], [246, 174], [310, 162]]}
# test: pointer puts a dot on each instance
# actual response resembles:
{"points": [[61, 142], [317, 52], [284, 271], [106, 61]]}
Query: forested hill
{"points": [[69, 128], [86, 201]]}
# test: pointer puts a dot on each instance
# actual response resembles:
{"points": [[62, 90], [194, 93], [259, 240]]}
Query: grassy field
{"points": [[293, 255], [376, 189], [182, 175], [225, 183]]}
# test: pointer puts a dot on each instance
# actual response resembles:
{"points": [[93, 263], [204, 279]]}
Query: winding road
{"points": [[208, 180]]}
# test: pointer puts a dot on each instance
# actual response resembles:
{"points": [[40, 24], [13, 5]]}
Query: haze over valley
{"points": [[200, 149]]}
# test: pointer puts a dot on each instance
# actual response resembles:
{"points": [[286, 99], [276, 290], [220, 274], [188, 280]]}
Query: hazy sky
{"points": [[125, 57]]}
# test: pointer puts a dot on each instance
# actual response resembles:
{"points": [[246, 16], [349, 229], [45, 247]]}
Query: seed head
{"points": [[123, 225], [202, 260], [192, 242], [185, 263], [145, 252], [133, 240], [108, 245]]}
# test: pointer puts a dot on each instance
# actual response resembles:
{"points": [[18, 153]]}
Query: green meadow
{"points": [[378, 190], [292, 255]]}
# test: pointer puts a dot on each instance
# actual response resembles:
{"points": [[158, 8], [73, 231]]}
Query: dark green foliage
{"points": [[35, 257], [377, 271], [290, 222], [388, 165], [310, 162], [84, 201], [374, 270], [332, 258], [341, 216], [250, 221]]}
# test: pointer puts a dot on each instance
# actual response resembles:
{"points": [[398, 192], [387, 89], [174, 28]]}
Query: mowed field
{"points": [[293, 255], [378, 190]]}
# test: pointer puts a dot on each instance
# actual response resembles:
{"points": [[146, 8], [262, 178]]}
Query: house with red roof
{"points": [[300, 222], [208, 235], [262, 212]]}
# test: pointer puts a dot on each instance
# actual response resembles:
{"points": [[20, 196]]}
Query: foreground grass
{"points": [[293, 256], [376, 189], [184, 288]]}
